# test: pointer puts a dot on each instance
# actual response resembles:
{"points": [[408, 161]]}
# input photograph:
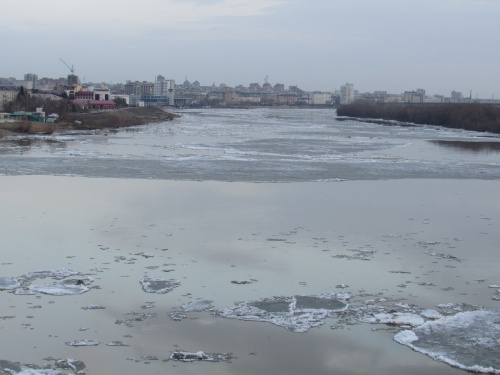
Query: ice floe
{"points": [[182, 356], [67, 282], [158, 285], [83, 343], [9, 283], [58, 274], [243, 282], [57, 289], [197, 305], [468, 340], [296, 313], [74, 366]]}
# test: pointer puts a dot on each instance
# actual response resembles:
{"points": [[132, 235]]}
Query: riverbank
{"points": [[475, 117], [120, 118]]}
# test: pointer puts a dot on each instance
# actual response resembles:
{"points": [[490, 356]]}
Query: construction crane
{"points": [[69, 67]]}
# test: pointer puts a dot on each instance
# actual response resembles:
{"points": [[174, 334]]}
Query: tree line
{"points": [[468, 116]]}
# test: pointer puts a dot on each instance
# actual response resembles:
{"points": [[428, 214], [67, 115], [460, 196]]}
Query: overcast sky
{"points": [[391, 45]]}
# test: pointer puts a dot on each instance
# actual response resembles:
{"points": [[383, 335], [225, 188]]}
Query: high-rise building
{"points": [[139, 88], [73, 80], [165, 87], [30, 77], [347, 93]]}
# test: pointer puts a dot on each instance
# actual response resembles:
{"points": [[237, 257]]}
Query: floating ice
{"points": [[297, 313], [83, 343], [56, 274], [395, 319], [197, 305], [116, 343], [158, 285], [431, 314], [243, 282], [9, 283], [69, 363], [68, 283], [76, 367], [199, 356], [59, 289], [468, 340], [93, 307]]}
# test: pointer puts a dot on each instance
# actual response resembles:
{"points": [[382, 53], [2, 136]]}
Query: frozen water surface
{"points": [[158, 285], [468, 340], [68, 283], [272, 145], [182, 356], [297, 313]]}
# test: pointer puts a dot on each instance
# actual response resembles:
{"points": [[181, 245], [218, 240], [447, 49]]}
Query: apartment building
{"points": [[347, 93]]}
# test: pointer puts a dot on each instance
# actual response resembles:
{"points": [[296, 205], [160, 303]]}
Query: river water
{"points": [[259, 145], [294, 240]]}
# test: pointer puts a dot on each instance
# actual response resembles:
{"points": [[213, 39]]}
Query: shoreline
{"points": [[120, 118]]}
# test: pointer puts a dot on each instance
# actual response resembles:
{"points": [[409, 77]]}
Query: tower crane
{"points": [[69, 67]]}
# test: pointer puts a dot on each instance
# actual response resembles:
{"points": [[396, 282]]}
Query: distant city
{"points": [[166, 92]]}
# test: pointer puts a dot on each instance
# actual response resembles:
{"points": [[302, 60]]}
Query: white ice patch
{"points": [[182, 356], [83, 343], [431, 314], [9, 283], [58, 289], [197, 305], [395, 319], [468, 340], [158, 285], [297, 313], [58, 274], [68, 283]]}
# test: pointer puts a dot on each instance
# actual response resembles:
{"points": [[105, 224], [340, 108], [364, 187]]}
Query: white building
{"points": [[347, 93], [165, 87], [320, 98]]}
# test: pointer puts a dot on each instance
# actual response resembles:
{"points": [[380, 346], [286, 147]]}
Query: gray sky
{"points": [[392, 45]]}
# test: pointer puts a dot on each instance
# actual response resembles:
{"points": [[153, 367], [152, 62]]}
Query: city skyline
{"points": [[317, 44]]}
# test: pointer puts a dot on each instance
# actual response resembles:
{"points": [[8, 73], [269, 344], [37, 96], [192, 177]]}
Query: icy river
{"points": [[251, 241]]}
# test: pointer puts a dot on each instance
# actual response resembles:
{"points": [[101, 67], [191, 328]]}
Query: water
{"points": [[143, 242], [258, 145]]}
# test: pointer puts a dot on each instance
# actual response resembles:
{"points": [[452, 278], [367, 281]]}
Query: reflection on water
{"points": [[476, 147]]}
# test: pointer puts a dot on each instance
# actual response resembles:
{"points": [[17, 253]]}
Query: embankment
{"points": [[468, 116]]}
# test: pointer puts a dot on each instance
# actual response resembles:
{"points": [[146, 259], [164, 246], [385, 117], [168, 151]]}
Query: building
{"points": [[347, 93], [73, 80], [94, 105], [279, 88], [320, 98], [417, 96], [7, 94], [166, 87], [235, 98], [456, 96], [30, 77], [139, 88], [101, 94], [121, 96]]}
